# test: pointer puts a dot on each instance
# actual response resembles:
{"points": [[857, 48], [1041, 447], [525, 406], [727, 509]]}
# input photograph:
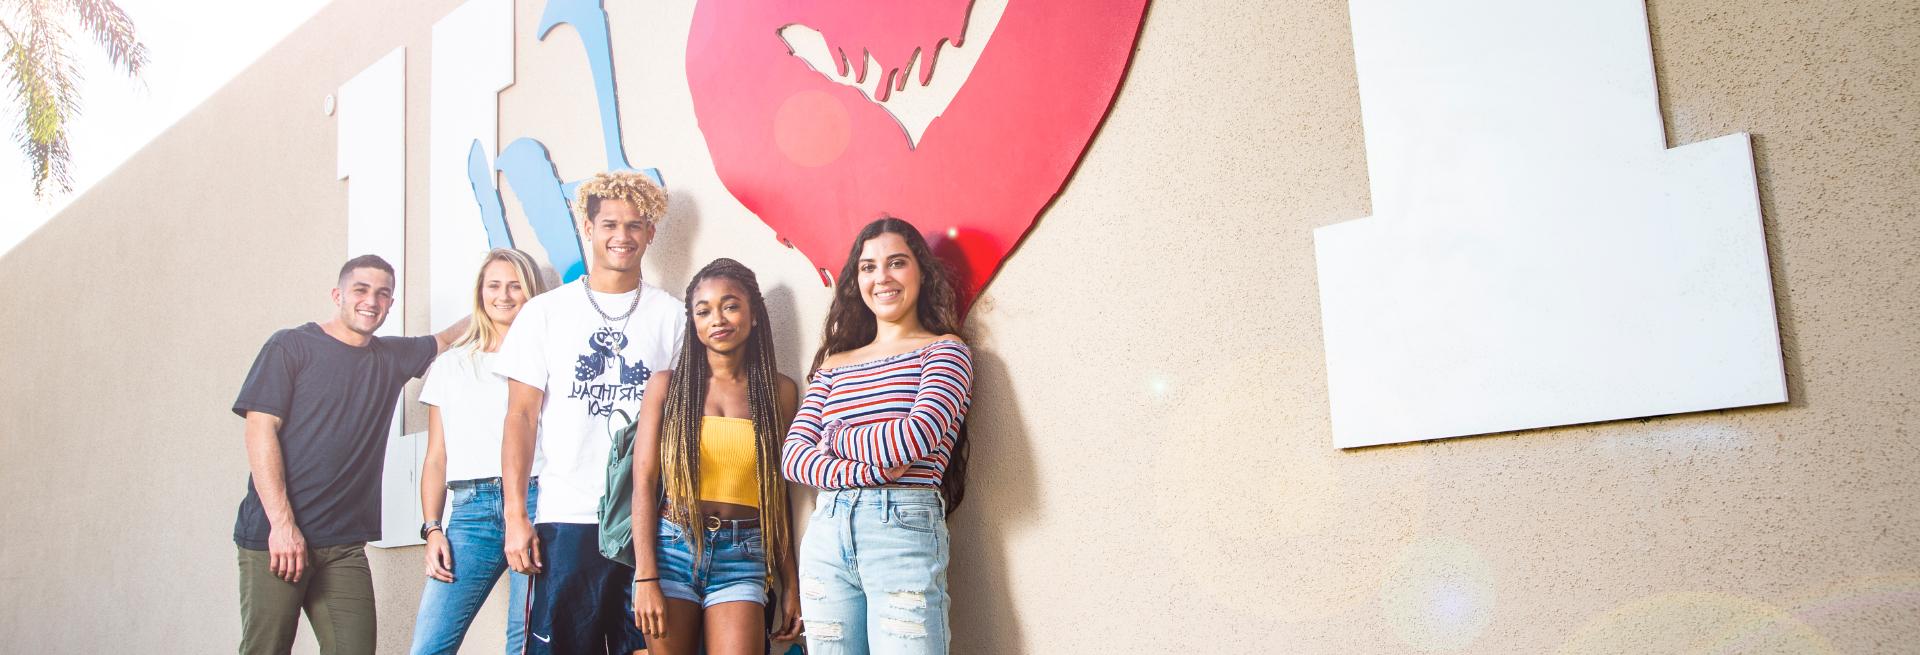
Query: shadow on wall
{"points": [[783, 311], [671, 252], [788, 353], [1001, 501]]}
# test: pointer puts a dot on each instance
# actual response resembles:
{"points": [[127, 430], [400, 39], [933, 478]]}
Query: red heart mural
{"points": [[817, 159]]}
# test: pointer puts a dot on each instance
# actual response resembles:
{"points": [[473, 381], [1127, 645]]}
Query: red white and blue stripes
{"points": [[858, 421]]}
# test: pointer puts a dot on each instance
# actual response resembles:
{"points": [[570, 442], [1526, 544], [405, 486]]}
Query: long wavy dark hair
{"points": [[686, 409], [851, 324]]}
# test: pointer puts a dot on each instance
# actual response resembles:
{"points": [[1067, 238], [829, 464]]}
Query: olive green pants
{"points": [[336, 591]]}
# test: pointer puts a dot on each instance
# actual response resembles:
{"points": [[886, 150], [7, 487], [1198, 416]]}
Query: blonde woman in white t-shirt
{"points": [[466, 406]]}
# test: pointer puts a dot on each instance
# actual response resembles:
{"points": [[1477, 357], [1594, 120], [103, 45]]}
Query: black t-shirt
{"points": [[335, 404]]}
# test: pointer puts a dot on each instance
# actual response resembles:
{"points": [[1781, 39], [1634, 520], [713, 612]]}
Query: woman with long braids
{"points": [[466, 405], [882, 430], [709, 432]]}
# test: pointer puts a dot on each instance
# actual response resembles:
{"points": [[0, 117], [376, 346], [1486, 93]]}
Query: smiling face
{"points": [[501, 292], [364, 296], [889, 277], [722, 314], [619, 234]]}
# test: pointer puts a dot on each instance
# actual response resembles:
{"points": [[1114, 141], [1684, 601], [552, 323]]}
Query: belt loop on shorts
{"points": [[886, 505]]}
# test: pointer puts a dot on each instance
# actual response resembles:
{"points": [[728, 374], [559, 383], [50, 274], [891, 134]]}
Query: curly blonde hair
{"points": [[634, 187]]}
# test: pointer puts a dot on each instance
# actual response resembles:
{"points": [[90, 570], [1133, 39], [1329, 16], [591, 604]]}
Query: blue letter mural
{"points": [[589, 21], [529, 169], [492, 215], [528, 166]]}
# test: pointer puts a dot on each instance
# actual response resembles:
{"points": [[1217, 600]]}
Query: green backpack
{"points": [[616, 506]]}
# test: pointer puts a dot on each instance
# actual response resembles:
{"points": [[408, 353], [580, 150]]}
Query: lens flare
{"points": [[1157, 387], [1696, 622], [1440, 594]]}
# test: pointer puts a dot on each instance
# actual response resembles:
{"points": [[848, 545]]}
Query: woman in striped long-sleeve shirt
{"points": [[881, 430]]}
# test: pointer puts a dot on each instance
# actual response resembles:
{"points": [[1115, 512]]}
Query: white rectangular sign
{"points": [[1537, 256]]}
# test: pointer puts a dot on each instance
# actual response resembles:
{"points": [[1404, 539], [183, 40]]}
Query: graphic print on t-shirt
{"points": [[603, 350]]}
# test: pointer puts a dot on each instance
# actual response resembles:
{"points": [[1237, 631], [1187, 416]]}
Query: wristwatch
{"points": [[428, 527]]}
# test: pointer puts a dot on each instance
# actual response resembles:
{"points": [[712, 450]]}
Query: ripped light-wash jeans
{"points": [[873, 573]]}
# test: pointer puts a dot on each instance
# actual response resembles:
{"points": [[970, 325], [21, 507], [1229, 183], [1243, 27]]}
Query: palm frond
{"points": [[44, 81], [36, 65], [39, 129], [113, 30]]}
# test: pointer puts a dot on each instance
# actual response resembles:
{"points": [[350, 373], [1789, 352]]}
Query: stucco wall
{"points": [[1152, 464]]}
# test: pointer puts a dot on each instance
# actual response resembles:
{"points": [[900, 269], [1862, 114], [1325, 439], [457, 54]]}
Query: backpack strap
{"points": [[622, 438]]}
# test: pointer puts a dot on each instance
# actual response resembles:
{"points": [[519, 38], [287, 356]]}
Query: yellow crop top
{"points": [[726, 461]]}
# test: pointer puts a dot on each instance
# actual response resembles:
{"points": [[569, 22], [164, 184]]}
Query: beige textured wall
{"points": [[1153, 470]]}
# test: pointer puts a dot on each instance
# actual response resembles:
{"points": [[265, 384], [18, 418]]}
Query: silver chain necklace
{"points": [[603, 313]]}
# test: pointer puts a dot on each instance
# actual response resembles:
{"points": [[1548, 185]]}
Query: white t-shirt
{"points": [[588, 367], [473, 406]]}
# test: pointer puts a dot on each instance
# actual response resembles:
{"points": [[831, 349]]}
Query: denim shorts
{"points": [[733, 566]]}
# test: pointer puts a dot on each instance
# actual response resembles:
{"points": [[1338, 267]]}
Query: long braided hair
{"points": [[851, 324], [686, 408]]}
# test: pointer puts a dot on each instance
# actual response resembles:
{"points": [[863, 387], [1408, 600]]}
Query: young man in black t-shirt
{"points": [[318, 404]]}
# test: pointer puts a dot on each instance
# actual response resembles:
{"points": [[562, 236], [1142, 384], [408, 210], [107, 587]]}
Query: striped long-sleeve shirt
{"points": [[858, 421]]}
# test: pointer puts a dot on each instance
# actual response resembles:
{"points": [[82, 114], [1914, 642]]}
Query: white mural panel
{"points": [[472, 63], [1537, 255], [400, 515], [372, 141]]}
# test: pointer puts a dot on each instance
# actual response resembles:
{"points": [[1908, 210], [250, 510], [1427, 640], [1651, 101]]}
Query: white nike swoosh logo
{"points": [[544, 640], [914, 108]]}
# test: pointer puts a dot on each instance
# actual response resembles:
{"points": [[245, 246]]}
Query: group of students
{"points": [[526, 401]]}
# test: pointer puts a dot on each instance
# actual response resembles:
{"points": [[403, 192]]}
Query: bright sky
{"points": [[120, 116]]}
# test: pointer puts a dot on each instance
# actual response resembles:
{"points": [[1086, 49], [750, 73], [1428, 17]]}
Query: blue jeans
{"points": [[476, 531], [732, 567], [873, 573]]}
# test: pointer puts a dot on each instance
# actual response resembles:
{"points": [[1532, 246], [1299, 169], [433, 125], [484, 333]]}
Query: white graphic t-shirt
{"points": [[588, 367], [473, 406]]}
